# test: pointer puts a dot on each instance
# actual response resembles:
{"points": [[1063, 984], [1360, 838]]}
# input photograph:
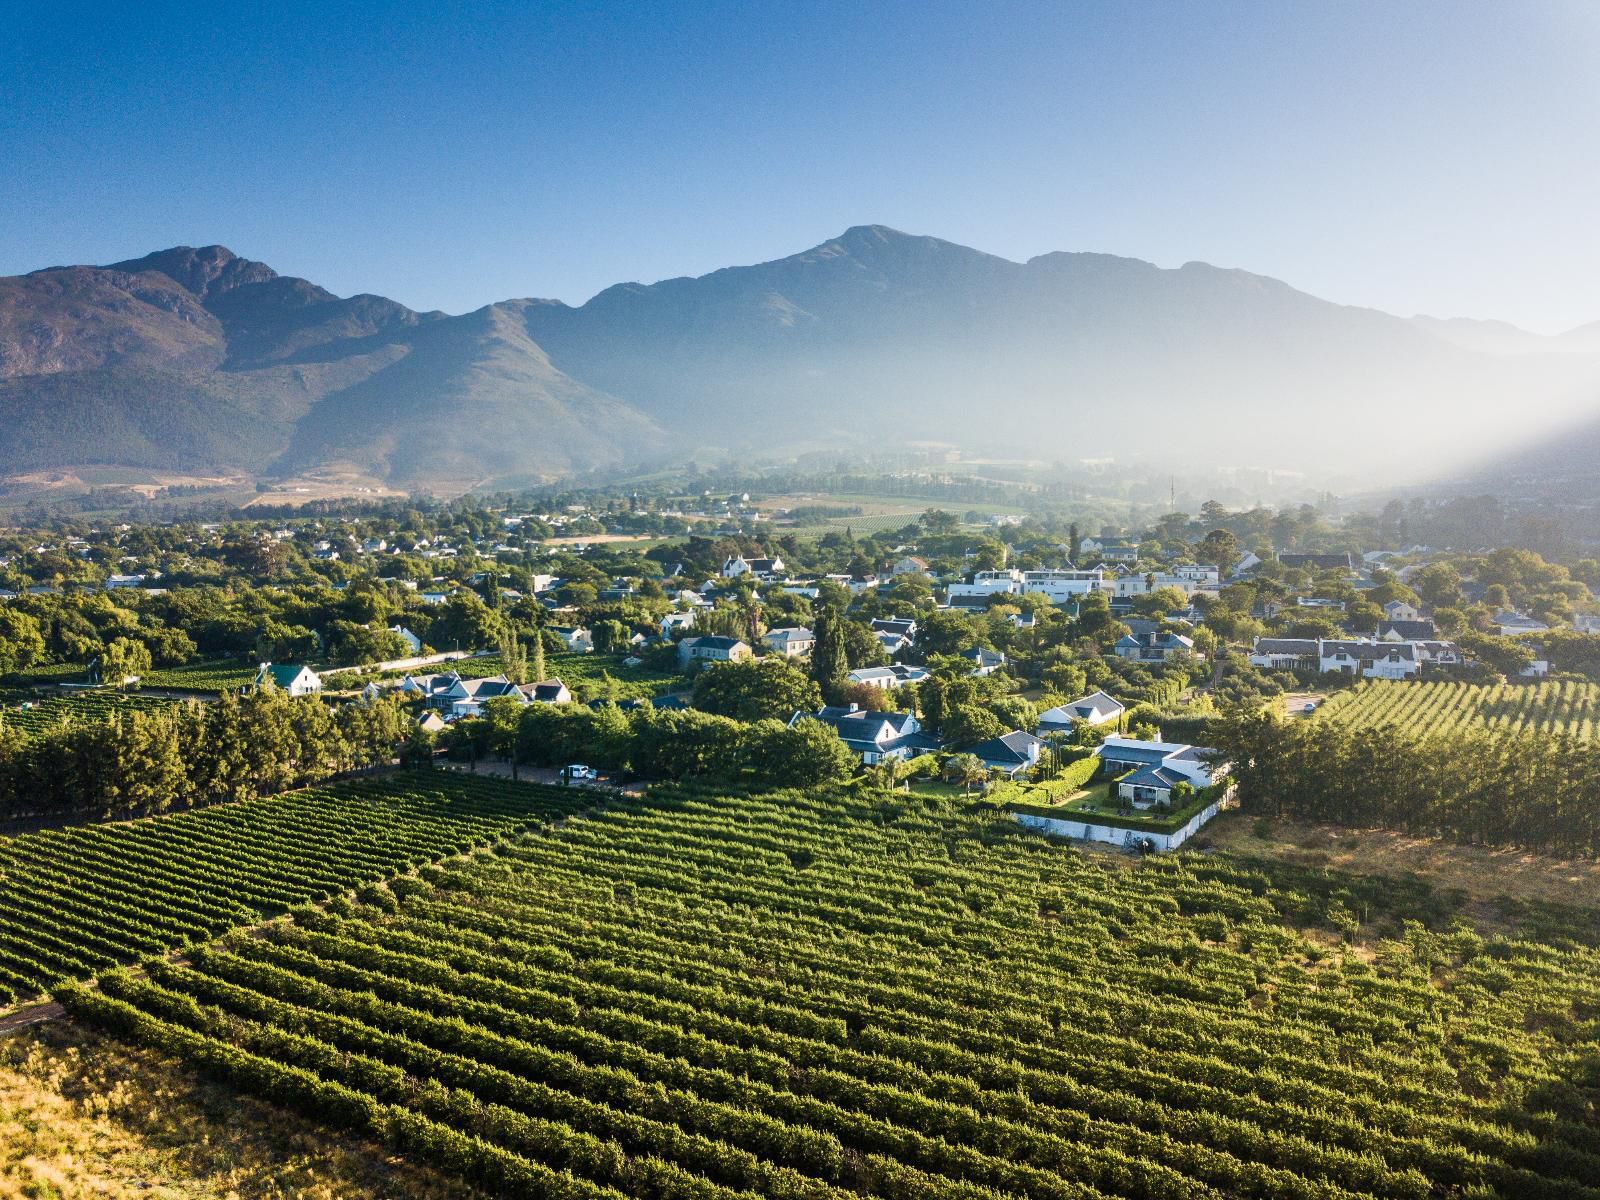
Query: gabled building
{"points": [[714, 648], [1373, 660], [549, 691], [887, 678], [1011, 753], [1317, 562], [736, 565], [1096, 708], [1153, 647], [1405, 631], [1151, 770], [467, 697], [791, 641], [874, 736], [984, 661], [286, 677]]}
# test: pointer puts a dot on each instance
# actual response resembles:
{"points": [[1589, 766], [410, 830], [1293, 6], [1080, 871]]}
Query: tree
{"points": [[21, 640], [828, 661], [124, 659], [513, 657], [1220, 548], [756, 689], [966, 769]]}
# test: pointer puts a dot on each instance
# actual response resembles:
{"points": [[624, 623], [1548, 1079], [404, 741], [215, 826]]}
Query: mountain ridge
{"points": [[875, 333]]}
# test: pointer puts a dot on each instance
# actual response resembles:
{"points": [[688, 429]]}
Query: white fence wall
{"points": [[1088, 831]]}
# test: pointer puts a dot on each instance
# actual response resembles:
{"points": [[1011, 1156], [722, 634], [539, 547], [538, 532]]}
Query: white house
{"points": [[1374, 660], [987, 583], [1153, 647], [736, 565], [1063, 586], [887, 678], [791, 641], [1155, 768], [295, 680], [984, 661], [1401, 610], [412, 641], [910, 565], [549, 691], [676, 622], [1011, 753], [712, 649], [1096, 708], [874, 736], [577, 640], [467, 697], [1510, 624]]}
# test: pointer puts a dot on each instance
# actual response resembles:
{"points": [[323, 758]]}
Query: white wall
{"points": [[1088, 832]]}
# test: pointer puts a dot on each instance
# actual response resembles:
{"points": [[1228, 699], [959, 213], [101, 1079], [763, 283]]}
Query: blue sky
{"points": [[1416, 157]]}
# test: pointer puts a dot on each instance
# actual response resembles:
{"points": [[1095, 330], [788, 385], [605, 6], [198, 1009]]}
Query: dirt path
{"points": [[33, 1014]]}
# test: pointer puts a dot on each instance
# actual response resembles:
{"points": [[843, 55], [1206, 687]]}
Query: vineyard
{"points": [[221, 675], [76, 900], [74, 708], [822, 995], [1434, 708]]}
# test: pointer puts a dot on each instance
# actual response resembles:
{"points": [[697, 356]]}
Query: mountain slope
{"points": [[195, 359], [1070, 355]]}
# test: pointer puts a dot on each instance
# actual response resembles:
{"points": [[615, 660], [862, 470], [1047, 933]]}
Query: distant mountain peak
{"points": [[206, 271]]}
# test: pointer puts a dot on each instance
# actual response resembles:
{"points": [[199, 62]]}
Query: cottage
{"points": [[712, 649], [1011, 753], [467, 697], [910, 565], [1401, 610], [1150, 770], [984, 661], [1153, 647], [412, 641], [1096, 708], [676, 622], [874, 736], [295, 680], [1512, 624], [736, 565], [1285, 654], [550, 691], [791, 641], [1374, 660], [887, 678], [577, 640]]}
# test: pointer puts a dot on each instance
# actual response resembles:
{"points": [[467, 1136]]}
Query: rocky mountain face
{"points": [[196, 358]]}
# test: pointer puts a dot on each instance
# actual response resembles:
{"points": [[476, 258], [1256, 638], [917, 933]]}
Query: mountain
{"points": [[191, 359], [896, 336], [196, 360]]}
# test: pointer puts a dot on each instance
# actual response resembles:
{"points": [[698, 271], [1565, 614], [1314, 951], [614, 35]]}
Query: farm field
{"points": [[1433, 708], [73, 708], [73, 901], [835, 994], [221, 675]]}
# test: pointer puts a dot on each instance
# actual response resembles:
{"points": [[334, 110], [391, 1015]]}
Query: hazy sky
{"points": [[1440, 158]]}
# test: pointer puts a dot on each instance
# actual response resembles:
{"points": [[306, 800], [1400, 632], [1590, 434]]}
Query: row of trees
{"points": [[1492, 787], [670, 743], [144, 762]]}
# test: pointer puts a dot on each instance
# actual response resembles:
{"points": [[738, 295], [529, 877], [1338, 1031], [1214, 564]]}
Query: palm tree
{"points": [[967, 769]]}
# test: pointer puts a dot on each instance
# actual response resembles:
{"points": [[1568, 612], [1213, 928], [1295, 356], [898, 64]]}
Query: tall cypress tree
{"points": [[828, 664]]}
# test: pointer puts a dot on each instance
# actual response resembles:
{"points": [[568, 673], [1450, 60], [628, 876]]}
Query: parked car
{"points": [[578, 772]]}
